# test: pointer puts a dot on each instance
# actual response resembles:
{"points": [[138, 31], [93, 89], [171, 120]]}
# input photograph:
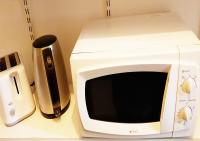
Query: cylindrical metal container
{"points": [[50, 77]]}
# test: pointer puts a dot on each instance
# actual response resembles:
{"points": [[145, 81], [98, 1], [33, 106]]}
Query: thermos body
{"points": [[50, 77]]}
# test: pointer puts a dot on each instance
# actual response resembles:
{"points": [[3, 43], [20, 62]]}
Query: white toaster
{"points": [[16, 99]]}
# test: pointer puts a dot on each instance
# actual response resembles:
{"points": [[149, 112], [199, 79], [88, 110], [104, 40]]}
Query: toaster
{"points": [[16, 99]]}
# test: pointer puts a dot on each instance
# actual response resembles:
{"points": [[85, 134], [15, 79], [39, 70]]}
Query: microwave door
{"points": [[134, 97]]}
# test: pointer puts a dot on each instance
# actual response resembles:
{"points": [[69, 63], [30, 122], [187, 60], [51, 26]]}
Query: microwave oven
{"points": [[137, 77]]}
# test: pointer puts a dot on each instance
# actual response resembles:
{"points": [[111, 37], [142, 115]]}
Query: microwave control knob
{"points": [[185, 114], [188, 85]]}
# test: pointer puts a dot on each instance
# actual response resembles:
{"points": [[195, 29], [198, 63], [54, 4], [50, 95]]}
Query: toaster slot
{"points": [[12, 60], [15, 82], [2, 64]]}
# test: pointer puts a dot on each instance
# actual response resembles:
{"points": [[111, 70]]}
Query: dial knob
{"points": [[184, 114], [188, 85]]}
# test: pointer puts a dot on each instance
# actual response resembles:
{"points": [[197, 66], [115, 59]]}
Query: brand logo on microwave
{"points": [[133, 131]]}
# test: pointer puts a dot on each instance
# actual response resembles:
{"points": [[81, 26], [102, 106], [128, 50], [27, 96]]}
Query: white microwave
{"points": [[137, 76]]}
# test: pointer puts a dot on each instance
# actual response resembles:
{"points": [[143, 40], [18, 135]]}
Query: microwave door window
{"points": [[133, 97]]}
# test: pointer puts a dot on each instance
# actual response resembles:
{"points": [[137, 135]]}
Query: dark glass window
{"points": [[133, 97]]}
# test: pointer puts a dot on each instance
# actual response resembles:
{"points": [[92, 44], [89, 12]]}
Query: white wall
{"points": [[130, 7], [64, 18], [189, 10], [14, 35]]}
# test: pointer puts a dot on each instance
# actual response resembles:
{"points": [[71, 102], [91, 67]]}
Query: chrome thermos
{"points": [[51, 83]]}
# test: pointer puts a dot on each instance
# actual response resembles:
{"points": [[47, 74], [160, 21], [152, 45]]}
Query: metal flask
{"points": [[52, 89]]}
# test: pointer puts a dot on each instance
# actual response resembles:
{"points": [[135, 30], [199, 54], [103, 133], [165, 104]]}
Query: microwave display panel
{"points": [[133, 97]]}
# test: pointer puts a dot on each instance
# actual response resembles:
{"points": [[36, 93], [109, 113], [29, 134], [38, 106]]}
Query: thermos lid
{"points": [[44, 41]]}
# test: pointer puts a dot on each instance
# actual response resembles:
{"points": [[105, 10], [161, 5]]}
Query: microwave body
{"points": [[125, 88]]}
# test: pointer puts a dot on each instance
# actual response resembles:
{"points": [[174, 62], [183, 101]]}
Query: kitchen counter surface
{"points": [[36, 126]]}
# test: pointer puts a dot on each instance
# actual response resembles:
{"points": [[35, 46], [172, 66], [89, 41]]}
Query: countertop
{"points": [[37, 126]]}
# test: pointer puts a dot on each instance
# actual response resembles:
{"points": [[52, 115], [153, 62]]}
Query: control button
{"points": [[12, 112], [188, 85], [185, 114], [10, 103], [49, 62], [57, 112]]}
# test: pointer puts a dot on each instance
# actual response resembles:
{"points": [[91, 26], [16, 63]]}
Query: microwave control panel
{"points": [[186, 97]]}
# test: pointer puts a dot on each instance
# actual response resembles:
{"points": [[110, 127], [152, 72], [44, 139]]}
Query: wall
{"points": [[130, 7], [189, 10], [64, 18], [14, 35]]}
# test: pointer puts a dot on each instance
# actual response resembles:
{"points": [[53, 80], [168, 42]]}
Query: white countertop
{"points": [[37, 126]]}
